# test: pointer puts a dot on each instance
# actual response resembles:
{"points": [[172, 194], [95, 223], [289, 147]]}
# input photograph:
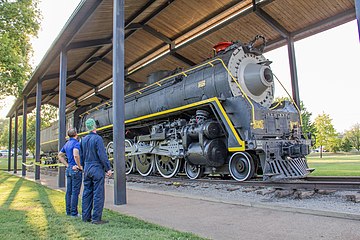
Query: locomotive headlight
{"points": [[257, 78]]}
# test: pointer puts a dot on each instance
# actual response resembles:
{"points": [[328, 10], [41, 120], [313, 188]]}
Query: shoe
{"points": [[87, 220], [100, 222], [76, 216]]}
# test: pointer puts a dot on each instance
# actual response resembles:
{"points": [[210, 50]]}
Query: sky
{"points": [[327, 65]]}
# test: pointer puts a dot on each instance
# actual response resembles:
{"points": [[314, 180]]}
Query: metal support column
{"points": [[357, 8], [24, 146], [62, 108], [37, 128], [293, 71], [10, 139], [118, 103], [16, 134]]}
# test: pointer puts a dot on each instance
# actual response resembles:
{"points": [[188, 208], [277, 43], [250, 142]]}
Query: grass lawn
{"points": [[32, 211], [4, 162], [335, 164]]}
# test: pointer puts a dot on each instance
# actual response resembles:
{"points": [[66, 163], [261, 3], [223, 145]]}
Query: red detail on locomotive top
{"points": [[222, 46]]}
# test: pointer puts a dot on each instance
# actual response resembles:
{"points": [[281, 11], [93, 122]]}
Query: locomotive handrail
{"points": [[279, 102], [255, 123], [291, 99]]}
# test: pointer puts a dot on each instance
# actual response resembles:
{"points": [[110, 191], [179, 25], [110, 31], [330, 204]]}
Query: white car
{"points": [[5, 153]]}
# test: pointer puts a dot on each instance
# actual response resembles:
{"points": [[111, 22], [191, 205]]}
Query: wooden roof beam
{"points": [[80, 80], [157, 34], [147, 19], [193, 35], [43, 93], [98, 58], [56, 75], [182, 58], [103, 55], [89, 43], [131, 19], [341, 17], [71, 97], [301, 33], [272, 22], [102, 97]]}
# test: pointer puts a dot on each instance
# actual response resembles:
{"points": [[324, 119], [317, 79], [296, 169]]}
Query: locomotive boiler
{"points": [[215, 118]]}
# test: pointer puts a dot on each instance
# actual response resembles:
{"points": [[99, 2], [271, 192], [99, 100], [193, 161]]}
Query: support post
{"points": [[16, 134], [62, 108], [357, 8], [118, 103], [10, 139], [24, 146], [293, 71], [37, 128]]}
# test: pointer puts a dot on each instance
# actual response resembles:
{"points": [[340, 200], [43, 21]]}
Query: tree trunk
{"points": [[321, 150]]}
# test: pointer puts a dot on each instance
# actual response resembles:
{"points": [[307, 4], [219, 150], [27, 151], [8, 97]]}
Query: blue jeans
{"points": [[73, 184], [94, 193]]}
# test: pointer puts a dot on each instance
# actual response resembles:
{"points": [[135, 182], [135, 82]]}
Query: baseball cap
{"points": [[90, 124]]}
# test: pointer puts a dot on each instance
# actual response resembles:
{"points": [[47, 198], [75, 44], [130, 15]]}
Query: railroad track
{"points": [[310, 183]]}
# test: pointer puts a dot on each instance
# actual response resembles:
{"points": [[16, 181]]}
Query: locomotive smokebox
{"points": [[257, 78]]}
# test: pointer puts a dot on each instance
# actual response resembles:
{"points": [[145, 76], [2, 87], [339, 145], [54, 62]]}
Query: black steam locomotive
{"points": [[218, 117]]}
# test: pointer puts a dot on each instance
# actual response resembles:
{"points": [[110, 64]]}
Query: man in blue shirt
{"points": [[73, 172], [95, 163]]}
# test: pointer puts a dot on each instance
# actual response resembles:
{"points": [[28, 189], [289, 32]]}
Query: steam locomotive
{"points": [[218, 117]]}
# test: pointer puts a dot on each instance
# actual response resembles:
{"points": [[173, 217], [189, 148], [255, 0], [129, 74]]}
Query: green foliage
{"points": [[48, 116], [325, 132], [334, 144], [19, 19], [4, 133], [354, 136], [346, 145], [308, 126]]}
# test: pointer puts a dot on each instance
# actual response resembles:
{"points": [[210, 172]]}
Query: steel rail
{"points": [[352, 184], [309, 183]]}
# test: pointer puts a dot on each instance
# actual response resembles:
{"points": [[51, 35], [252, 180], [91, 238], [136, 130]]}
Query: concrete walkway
{"points": [[219, 220]]}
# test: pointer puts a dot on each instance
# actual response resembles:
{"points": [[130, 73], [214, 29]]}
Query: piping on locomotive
{"points": [[215, 118]]}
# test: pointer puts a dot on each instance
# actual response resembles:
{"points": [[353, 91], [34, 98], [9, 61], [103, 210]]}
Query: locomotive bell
{"points": [[257, 78]]}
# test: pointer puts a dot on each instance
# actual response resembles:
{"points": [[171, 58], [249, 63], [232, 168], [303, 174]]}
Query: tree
{"points": [[19, 19], [325, 132], [354, 136], [346, 144], [334, 143], [4, 130], [48, 116], [307, 125]]}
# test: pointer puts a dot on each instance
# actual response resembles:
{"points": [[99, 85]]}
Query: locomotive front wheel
{"points": [[144, 164], [241, 166], [167, 166], [193, 171]]}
